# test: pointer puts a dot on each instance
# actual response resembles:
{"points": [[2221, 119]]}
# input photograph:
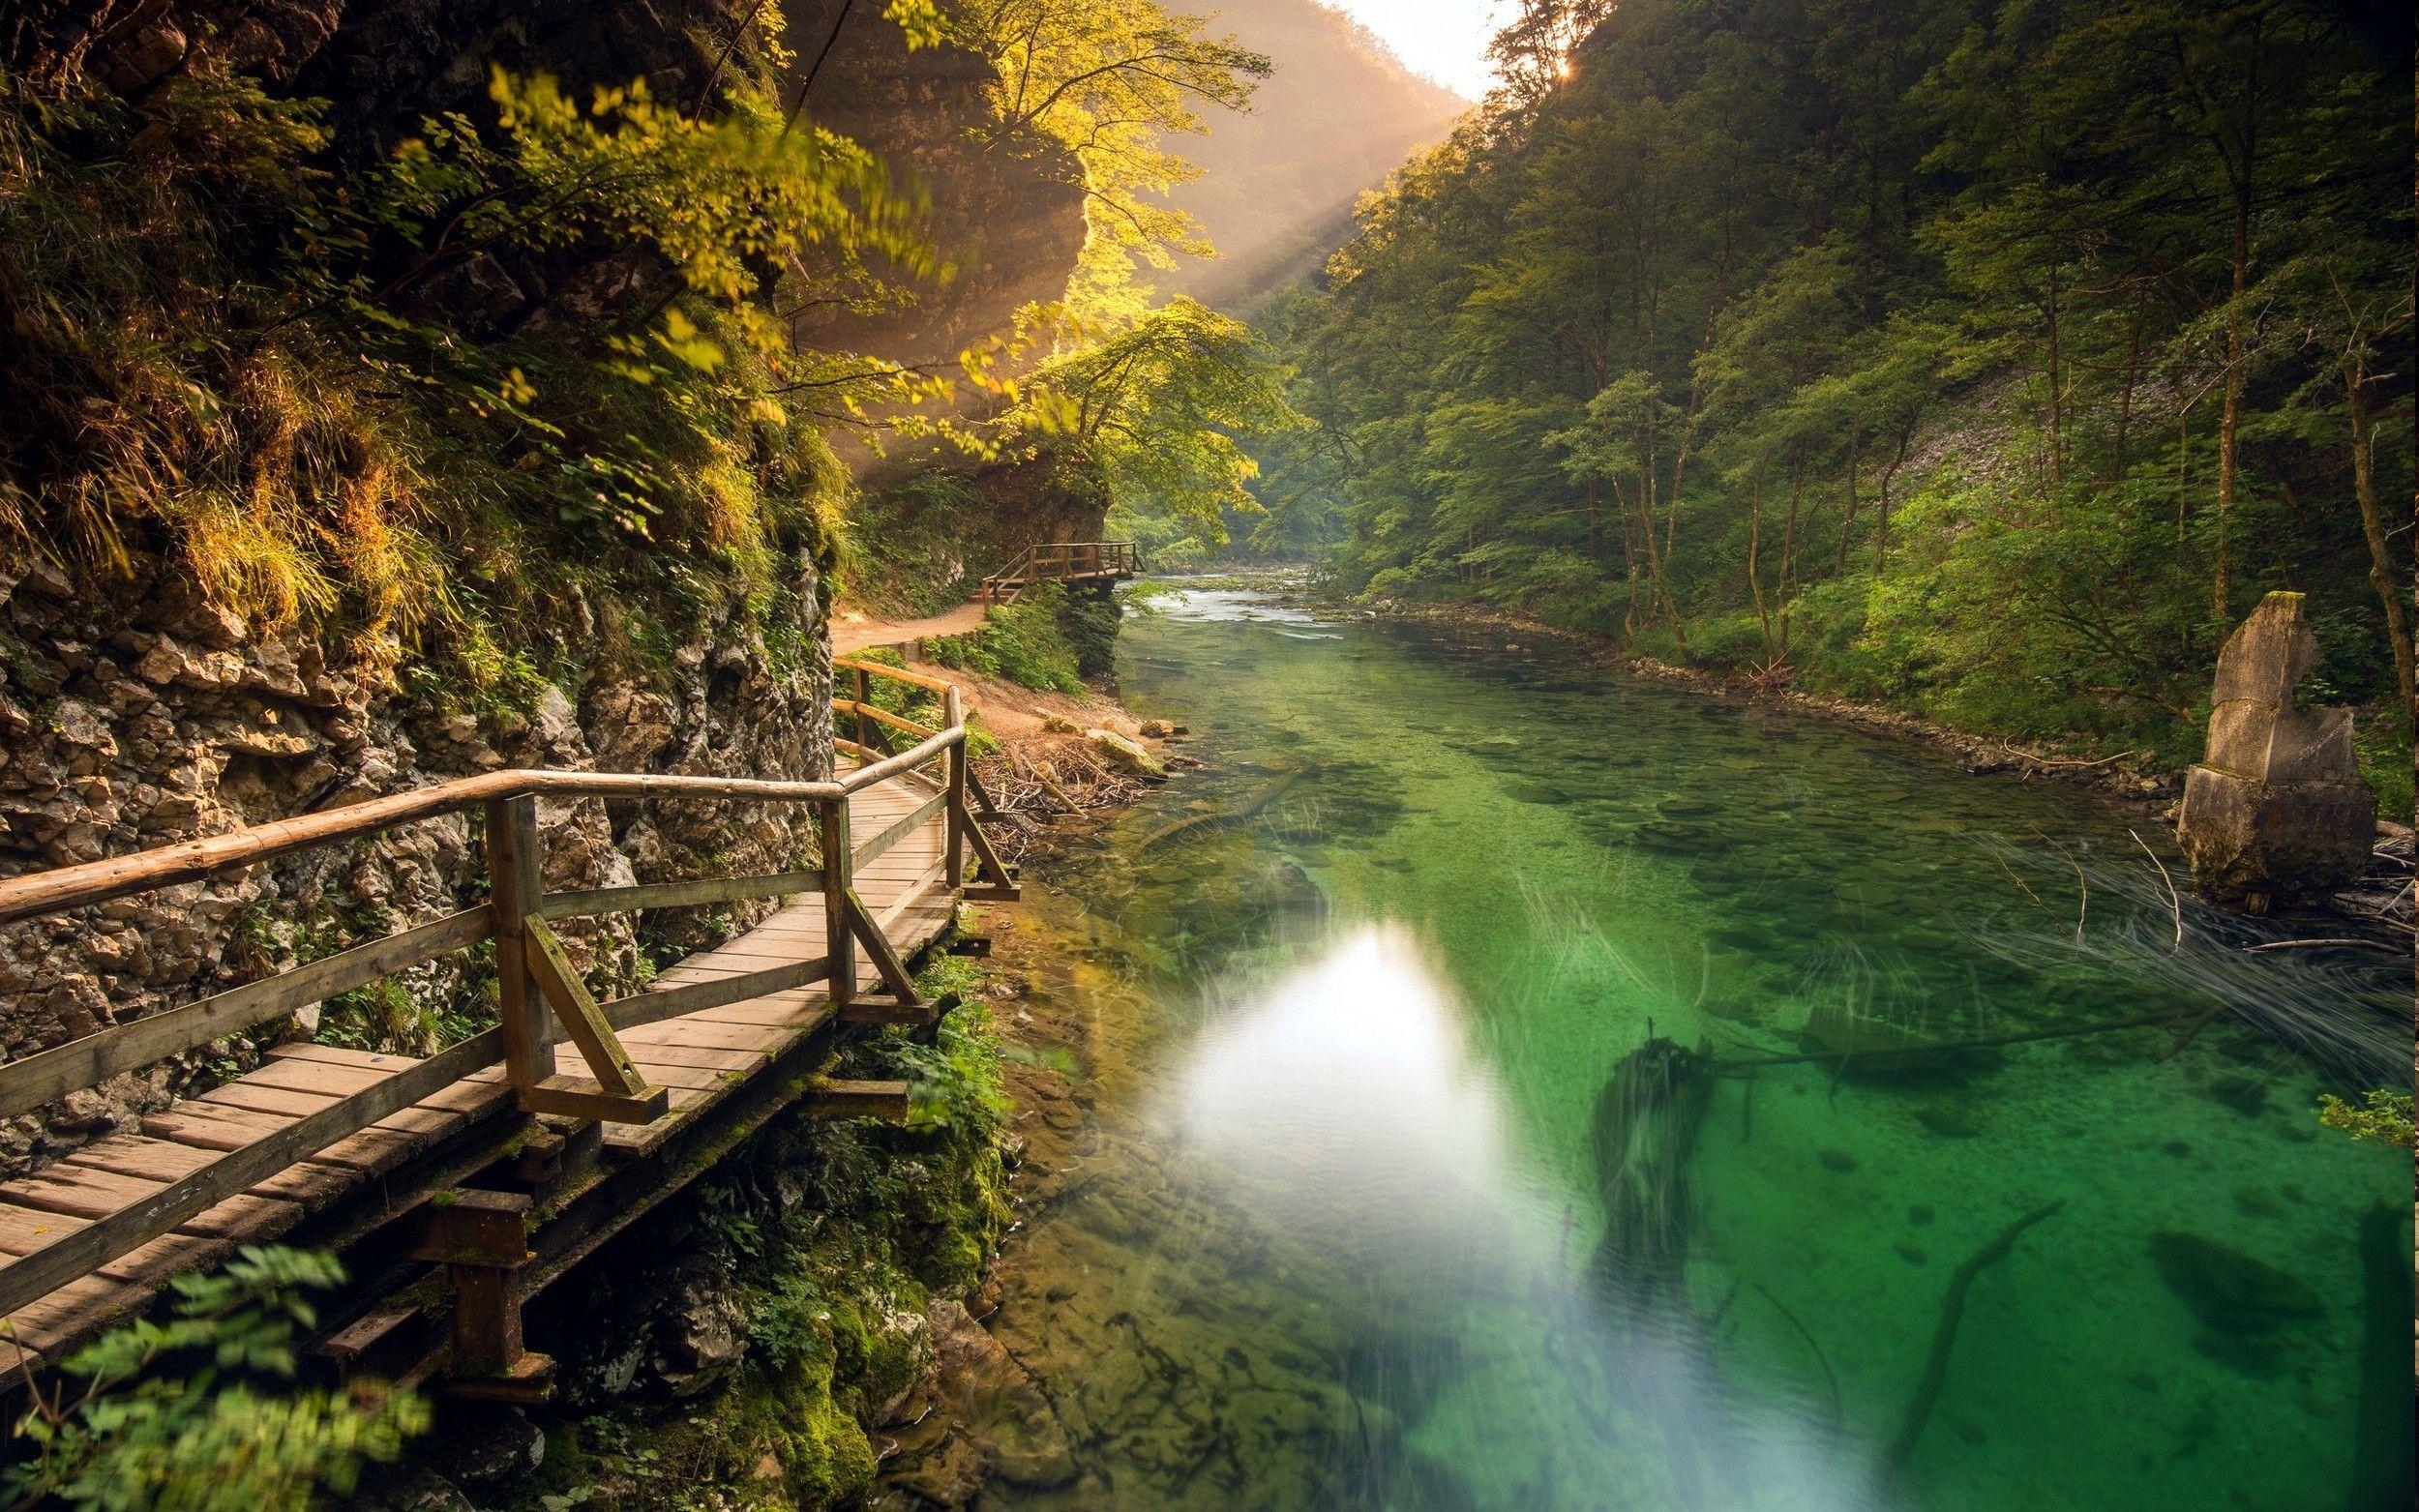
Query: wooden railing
{"points": [[1061, 561], [538, 991]]}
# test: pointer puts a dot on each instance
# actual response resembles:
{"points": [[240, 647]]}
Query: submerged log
{"points": [[1647, 1117]]}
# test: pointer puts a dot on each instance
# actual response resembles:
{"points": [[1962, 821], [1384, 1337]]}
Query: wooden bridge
{"points": [[1062, 561], [490, 1166]]}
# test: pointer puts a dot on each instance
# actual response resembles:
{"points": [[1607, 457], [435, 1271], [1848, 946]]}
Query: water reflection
{"points": [[1344, 1103]]}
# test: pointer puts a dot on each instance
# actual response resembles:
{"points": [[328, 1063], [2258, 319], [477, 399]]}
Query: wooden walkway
{"points": [[663, 1062]]}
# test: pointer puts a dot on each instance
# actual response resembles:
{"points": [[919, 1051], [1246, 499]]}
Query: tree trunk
{"points": [[1881, 534], [1755, 580], [1847, 526], [2239, 267], [2389, 585]]}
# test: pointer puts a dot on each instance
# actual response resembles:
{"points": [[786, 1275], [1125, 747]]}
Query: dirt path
{"points": [[859, 632]]}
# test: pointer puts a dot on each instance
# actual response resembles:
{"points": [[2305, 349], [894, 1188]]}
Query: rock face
{"points": [[122, 730], [2277, 810]]}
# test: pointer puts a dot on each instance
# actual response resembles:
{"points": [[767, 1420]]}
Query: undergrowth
{"points": [[1022, 642], [330, 404]]}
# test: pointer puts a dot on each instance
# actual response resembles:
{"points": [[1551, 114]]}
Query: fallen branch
{"points": [[2175, 903], [2064, 763], [2317, 944], [1935, 1375], [1838, 1412]]}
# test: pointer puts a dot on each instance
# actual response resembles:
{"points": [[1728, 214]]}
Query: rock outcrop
{"points": [[122, 730], [2277, 810]]}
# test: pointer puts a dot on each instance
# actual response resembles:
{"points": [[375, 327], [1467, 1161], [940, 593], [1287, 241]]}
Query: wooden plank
{"points": [[645, 1008], [919, 891], [323, 1078], [690, 1078], [578, 1097], [703, 1057], [40, 1324], [846, 1099], [46, 1076], [712, 1036], [783, 1012], [678, 895], [900, 829], [266, 1099], [76, 1254], [755, 955], [339, 1055], [881, 1011], [307, 1182], [94, 1194]]}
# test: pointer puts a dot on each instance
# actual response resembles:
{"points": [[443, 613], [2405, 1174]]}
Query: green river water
{"points": [[1327, 1231]]}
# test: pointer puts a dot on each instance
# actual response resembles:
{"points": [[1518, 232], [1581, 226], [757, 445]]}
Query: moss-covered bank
{"points": [[744, 1346]]}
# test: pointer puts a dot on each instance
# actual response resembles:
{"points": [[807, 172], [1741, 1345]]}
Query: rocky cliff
{"points": [[122, 729]]}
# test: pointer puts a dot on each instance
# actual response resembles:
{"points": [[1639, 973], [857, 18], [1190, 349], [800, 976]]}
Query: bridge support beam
{"points": [[482, 1239]]}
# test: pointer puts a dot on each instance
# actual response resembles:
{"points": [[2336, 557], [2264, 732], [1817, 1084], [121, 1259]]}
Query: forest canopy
{"points": [[1991, 357]]}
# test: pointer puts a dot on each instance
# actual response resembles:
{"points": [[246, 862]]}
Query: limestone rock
{"points": [[703, 1333], [2277, 807], [1126, 756], [495, 1446]]}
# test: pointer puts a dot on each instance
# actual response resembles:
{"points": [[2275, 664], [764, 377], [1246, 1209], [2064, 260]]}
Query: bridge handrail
{"points": [[535, 980], [1065, 559]]}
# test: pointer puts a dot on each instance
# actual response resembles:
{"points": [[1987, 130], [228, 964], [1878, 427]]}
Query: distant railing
{"points": [[1062, 561], [537, 986]]}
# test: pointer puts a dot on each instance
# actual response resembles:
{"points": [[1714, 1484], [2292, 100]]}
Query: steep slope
{"points": [[1278, 182]]}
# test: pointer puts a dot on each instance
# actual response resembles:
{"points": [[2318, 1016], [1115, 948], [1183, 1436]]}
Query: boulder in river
{"points": [[2277, 807]]}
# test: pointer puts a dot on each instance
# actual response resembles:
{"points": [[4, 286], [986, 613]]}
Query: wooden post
{"points": [[481, 1238], [864, 695], [832, 834], [953, 715], [515, 889]]}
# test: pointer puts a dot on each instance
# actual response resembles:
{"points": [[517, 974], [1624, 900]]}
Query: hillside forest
{"points": [[1987, 357]]}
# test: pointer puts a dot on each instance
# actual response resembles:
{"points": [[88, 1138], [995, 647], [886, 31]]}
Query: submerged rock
{"points": [[2228, 1292], [997, 1403]]}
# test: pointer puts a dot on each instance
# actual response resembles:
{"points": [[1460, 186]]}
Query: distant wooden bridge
{"points": [[1062, 561], [488, 1166]]}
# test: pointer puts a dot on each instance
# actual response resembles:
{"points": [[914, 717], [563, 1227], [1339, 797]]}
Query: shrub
{"points": [[201, 1413]]}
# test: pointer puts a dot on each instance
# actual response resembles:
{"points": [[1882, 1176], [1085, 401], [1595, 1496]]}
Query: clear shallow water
{"points": [[1330, 1234]]}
